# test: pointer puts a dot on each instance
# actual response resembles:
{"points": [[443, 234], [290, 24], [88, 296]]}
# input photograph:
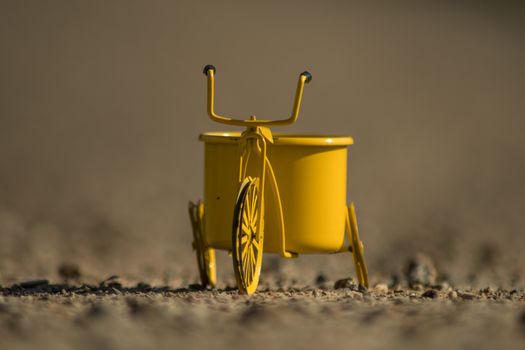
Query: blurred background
{"points": [[101, 103]]}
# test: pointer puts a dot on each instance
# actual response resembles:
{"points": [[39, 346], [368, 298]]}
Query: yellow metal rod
{"points": [[210, 73]]}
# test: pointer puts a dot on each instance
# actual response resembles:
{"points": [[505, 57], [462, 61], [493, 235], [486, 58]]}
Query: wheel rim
{"points": [[206, 262], [207, 268], [205, 255], [248, 237], [357, 249]]}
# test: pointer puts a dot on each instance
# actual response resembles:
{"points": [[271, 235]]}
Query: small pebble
{"points": [[381, 288], [487, 290], [320, 279], [355, 295], [69, 271], [444, 286], [346, 283], [34, 283], [466, 295], [421, 270], [430, 293], [418, 287]]}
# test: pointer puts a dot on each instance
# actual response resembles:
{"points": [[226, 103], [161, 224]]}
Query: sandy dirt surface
{"points": [[122, 315]]}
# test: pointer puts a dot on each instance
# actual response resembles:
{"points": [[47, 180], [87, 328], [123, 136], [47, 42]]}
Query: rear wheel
{"points": [[357, 248], [247, 236], [205, 255]]}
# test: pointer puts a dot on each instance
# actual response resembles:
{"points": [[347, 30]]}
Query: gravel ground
{"points": [[111, 315]]}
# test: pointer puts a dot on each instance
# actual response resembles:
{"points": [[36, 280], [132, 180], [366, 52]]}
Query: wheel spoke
{"points": [[253, 206], [248, 269], [255, 243], [245, 219], [254, 221], [244, 264], [245, 251], [245, 228], [247, 206], [253, 258]]}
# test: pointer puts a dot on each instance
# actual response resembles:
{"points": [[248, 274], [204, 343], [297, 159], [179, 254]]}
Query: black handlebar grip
{"points": [[207, 68], [308, 76]]}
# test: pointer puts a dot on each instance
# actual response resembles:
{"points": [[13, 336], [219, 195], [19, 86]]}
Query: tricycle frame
{"points": [[248, 221]]}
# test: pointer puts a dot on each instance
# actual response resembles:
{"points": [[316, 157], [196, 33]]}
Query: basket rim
{"points": [[281, 139]]}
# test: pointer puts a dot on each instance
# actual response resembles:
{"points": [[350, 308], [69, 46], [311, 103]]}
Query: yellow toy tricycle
{"points": [[272, 193]]}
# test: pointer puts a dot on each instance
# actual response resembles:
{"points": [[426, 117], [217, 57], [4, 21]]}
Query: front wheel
{"points": [[248, 235]]}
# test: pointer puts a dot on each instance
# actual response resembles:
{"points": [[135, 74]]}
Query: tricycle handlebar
{"points": [[209, 70]]}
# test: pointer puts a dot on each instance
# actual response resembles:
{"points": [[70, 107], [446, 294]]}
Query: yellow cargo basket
{"points": [[311, 174]]}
